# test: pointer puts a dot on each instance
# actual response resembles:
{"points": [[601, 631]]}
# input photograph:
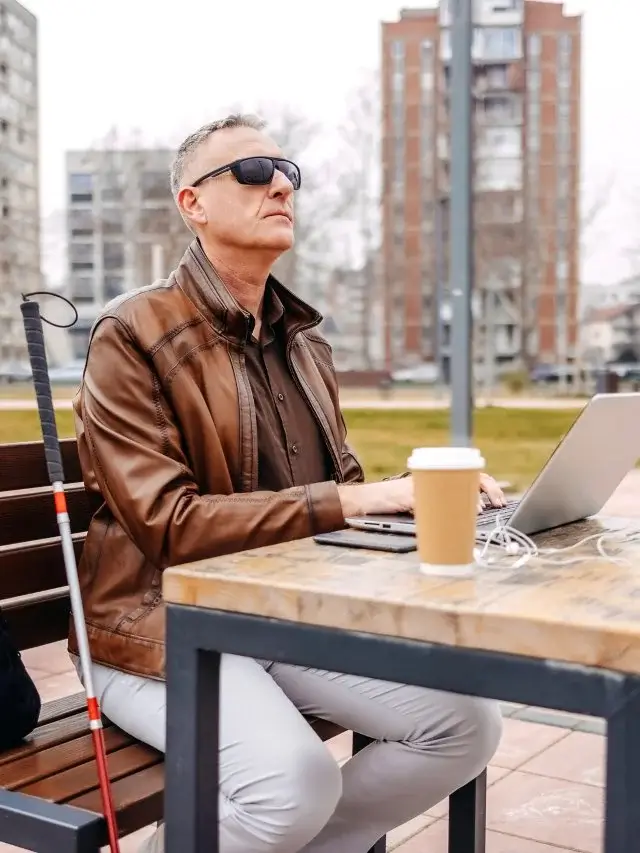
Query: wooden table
{"points": [[564, 637]]}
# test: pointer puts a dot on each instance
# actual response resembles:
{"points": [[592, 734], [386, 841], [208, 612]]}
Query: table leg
{"points": [[622, 828], [468, 817], [191, 793]]}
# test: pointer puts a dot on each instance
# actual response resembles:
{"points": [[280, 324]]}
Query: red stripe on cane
{"points": [[60, 502], [93, 709]]}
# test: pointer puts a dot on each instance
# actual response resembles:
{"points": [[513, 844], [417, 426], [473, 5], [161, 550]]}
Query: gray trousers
{"points": [[281, 790]]}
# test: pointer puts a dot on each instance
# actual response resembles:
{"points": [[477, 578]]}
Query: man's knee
{"points": [[309, 793], [465, 727], [479, 724], [298, 797]]}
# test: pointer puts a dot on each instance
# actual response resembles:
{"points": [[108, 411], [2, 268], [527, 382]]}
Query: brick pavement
{"points": [[546, 780]]}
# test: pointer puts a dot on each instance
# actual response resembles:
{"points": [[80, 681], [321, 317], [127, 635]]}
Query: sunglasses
{"points": [[257, 171]]}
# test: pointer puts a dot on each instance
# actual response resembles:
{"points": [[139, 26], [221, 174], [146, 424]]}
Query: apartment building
{"points": [[123, 228], [526, 106], [19, 202]]}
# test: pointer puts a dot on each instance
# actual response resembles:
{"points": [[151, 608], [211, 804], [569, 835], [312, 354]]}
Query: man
{"points": [[208, 422]]}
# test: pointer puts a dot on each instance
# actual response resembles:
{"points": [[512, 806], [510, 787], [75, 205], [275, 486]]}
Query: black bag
{"points": [[19, 697]]}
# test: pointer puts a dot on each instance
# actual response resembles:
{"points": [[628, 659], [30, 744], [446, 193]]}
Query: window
{"points": [[81, 223], [426, 65], [112, 220], [113, 256], [156, 221], [81, 256], [113, 286], [397, 50], [534, 45], [497, 43], [565, 45], [154, 185], [79, 342], [82, 290], [81, 186]]}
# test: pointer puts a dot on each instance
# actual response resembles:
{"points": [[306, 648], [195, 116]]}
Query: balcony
{"points": [[490, 45], [504, 13]]}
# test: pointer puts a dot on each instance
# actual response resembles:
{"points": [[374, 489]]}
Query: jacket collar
{"points": [[198, 279]]}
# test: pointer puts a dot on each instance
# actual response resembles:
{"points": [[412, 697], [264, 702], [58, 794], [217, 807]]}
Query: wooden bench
{"points": [[49, 798]]}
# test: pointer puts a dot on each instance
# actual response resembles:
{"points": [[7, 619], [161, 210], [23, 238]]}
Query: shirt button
{"points": [[281, 397], [294, 448]]}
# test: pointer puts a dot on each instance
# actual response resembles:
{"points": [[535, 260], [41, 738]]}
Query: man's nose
{"points": [[280, 185]]}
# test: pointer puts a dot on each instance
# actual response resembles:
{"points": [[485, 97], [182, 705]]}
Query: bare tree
{"points": [[359, 203]]}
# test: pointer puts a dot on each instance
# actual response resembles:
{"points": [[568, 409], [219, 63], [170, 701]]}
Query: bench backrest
{"points": [[33, 591]]}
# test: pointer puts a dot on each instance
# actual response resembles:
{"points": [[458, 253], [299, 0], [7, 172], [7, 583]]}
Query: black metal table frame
{"points": [[197, 636]]}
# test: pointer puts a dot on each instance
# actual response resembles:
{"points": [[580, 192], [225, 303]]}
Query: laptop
{"points": [[580, 476]]}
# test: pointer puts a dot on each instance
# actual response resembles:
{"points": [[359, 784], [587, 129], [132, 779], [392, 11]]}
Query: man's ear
{"points": [[192, 211]]}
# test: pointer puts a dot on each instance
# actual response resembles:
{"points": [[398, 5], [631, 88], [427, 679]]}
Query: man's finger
{"points": [[494, 493]]}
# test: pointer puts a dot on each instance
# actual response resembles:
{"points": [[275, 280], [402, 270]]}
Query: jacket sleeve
{"points": [[135, 449], [351, 468]]}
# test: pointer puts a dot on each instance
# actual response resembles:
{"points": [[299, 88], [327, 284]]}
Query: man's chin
{"points": [[279, 243]]}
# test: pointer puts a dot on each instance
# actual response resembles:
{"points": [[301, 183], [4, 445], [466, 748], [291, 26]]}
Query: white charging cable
{"points": [[505, 547]]}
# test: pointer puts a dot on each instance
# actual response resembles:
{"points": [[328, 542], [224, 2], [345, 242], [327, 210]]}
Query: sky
{"points": [[166, 68]]}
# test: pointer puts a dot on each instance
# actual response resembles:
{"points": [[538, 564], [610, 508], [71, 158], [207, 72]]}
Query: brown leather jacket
{"points": [[167, 440]]}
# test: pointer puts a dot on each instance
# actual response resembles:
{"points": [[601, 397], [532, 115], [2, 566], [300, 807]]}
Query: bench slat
{"points": [[138, 799], [39, 623], [46, 736], [83, 779], [34, 567], [30, 514], [23, 466], [59, 709], [17, 775]]}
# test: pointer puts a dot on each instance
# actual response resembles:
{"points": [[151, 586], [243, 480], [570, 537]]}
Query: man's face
{"points": [[226, 212]]}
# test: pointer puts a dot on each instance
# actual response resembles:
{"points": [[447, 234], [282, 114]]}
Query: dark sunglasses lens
{"points": [[257, 171], [290, 171]]}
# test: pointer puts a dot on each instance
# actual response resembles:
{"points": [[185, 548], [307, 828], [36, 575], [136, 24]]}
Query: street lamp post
{"points": [[461, 223]]}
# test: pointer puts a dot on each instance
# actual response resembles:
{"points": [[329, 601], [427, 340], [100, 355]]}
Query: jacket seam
{"points": [[312, 512], [210, 343], [170, 335]]}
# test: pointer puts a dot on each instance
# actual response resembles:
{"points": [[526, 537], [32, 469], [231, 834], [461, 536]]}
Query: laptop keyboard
{"points": [[490, 516]]}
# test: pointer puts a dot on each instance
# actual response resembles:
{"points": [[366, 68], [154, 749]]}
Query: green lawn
{"points": [[515, 442]]}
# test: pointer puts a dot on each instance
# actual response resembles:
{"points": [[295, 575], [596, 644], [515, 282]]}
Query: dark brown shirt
{"points": [[291, 448]]}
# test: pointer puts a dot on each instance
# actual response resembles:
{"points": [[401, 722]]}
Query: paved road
{"points": [[376, 403]]}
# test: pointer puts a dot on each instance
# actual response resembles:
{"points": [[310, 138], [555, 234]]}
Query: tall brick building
{"points": [[526, 98]]}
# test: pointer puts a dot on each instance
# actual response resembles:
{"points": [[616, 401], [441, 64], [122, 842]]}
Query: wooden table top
{"points": [[587, 613]]}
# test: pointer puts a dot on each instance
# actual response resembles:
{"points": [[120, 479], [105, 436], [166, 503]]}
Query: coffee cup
{"points": [[446, 484]]}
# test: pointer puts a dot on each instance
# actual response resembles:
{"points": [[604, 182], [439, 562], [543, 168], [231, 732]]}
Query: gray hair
{"points": [[195, 140]]}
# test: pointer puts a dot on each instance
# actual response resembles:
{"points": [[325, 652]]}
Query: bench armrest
{"points": [[48, 827]]}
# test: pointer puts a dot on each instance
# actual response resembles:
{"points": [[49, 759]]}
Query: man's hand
{"points": [[392, 496], [492, 490], [386, 497]]}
